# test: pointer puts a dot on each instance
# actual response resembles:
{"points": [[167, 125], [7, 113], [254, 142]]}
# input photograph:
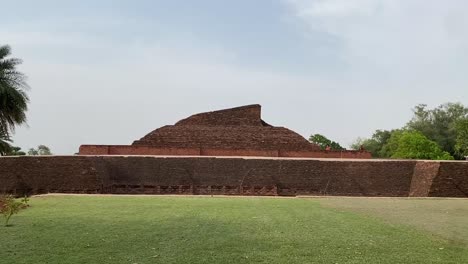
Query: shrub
{"points": [[10, 206]]}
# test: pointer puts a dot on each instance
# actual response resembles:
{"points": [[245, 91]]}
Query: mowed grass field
{"points": [[162, 229]]}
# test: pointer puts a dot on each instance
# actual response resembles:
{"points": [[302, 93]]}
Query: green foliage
{"points": [[413, 145], [15, 151], [445, 125], [33, 152], [461, 143], [13, 97], [44, 150], [439, 124], [6, 149], [10, 206], [25, 200], [41, 150], [324, 142], [5, 140], [374, 144]]}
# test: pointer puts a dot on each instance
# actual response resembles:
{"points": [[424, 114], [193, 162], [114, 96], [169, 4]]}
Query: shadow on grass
{"points": [[164, 230]]}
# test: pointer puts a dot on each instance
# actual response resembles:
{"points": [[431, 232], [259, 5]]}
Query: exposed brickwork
{"points": [[136, 150], [71, 174], [236, 176], [249, 115], [235, 128], [149, 150], [226, 137], [452, 180], [423, 176], [344, 154], [231, 132]]}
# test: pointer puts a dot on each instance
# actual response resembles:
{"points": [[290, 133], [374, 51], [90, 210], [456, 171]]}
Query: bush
{"points": [[10, 206], [412, 144]]}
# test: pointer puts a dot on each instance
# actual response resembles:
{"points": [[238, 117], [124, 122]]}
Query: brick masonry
{"points": [[236, 131], [203, 151], [235, 176]]}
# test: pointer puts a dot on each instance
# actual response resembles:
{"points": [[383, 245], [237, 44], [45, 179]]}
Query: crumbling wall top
{"points": [[248, 115]]}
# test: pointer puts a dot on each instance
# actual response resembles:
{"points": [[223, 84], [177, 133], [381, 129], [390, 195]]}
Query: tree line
{"points": [[440, 133]]}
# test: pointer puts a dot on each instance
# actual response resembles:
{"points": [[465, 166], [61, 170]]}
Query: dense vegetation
{"points": [[324, 143], [439, 134]]}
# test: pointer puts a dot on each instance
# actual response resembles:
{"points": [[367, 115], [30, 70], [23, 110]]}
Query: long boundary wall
{"points": [[203, 151], [232, 175]]}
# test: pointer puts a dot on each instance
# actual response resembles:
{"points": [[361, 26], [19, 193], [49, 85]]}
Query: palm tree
{"points": [[13, 97], [5, 146]]}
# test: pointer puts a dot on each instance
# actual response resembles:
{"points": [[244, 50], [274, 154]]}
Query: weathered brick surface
{"points": [[423, 176], [72, 174], [237, 131], [236, 176], [249, 115], [451, 180], [204, 151], [226, 137]]}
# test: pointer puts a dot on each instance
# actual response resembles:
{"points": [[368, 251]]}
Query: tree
{"points": [[439, 124], [414, 145], [461, 142], [33, 152], [324, 142], [5, 140], [16, 151], [373, 144], [41, 150], [13, 97], [9, 150], [10, 206]]}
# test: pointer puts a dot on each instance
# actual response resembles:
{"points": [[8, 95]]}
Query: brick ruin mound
{"points": [[238, 131], [234, 128]]}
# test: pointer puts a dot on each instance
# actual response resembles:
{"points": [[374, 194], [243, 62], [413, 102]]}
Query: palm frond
{"points": [[5, 146], [13, 98], [5, 50]]}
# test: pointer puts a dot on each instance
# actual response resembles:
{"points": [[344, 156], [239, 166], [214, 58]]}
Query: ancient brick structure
{"points": [[237, 131], [234, 176], [177, 163]]}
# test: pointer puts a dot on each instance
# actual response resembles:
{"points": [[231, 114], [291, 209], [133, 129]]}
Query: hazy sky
{"points": [[108, 72]]}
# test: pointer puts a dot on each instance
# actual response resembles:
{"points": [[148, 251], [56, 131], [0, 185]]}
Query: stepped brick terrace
{"points": [[236, 131]]}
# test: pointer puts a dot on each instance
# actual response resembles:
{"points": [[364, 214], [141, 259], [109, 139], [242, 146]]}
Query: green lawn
{"points": [[148, 229], [447, 218]]}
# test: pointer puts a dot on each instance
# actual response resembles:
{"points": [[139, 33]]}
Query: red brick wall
{"points": [[147, 150], [249, 115], [238, 176], [451, 180], [136, 150], [94, 150], [423, 177], [346, 154], [142, 150], [238, 152]]}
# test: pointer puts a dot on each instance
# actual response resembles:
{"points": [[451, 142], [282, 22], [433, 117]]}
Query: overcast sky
{"points": [[108, 72]]}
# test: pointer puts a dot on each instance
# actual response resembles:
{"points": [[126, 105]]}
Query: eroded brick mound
{"points": [[235, 128]]}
